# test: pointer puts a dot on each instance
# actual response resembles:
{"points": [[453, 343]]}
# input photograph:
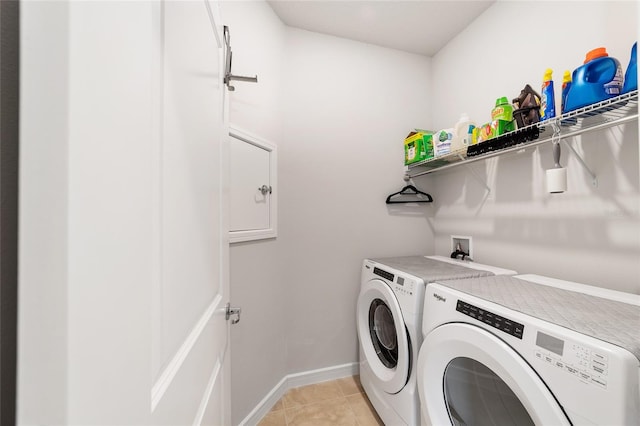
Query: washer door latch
{"points": [[235, 312]]}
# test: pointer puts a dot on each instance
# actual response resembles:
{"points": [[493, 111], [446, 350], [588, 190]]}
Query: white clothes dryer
{"points": [[389, 322], [529, 350]]}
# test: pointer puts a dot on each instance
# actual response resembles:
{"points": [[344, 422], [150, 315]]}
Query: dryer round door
{"points": [[383, 335], [467, 375]]}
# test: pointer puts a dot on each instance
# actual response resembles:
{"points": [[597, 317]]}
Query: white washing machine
{"points": [[389, 320], [529, 350]]}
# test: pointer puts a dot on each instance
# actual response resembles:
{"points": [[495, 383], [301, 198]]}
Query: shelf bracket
{"points": [[594, 178], [476, 176], [557, 136]]}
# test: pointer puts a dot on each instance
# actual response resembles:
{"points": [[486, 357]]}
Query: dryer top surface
{"points": [[608, 320], [430, 269]]}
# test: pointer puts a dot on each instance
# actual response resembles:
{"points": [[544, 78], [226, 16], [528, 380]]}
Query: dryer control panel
{"points": [[580, 361], [494, 320]]}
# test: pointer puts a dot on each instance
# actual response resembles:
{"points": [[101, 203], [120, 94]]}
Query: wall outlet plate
{"points": [[466, 244]]}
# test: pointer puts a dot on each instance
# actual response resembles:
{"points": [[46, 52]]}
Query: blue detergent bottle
{"points": [[600, 78], [547, 100], [631, 76]]}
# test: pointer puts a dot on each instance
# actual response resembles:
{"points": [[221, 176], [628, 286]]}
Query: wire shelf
{"points": [[612, 112]]}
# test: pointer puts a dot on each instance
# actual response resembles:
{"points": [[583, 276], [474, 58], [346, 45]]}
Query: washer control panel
{"points": [[494, 320], [404, 286], [382, 273], [401, 285], [586, 364]]}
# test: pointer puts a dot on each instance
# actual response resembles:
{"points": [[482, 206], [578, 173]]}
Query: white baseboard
{"points": [[266, 404], [295, 380]]}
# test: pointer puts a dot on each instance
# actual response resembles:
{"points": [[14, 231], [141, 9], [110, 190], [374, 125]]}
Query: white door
{"points": [[466, 375], [124, 235], [190, 334]]}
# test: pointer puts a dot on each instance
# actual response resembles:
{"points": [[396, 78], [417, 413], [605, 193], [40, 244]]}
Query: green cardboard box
{"points": [[418, 146]]}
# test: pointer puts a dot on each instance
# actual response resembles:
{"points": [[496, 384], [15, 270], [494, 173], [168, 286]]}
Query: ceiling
{"points": [[418, 26]]}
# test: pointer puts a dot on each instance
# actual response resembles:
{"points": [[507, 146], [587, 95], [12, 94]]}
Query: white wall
{"points": [[338, 111], [348, 107], [587, 234]]}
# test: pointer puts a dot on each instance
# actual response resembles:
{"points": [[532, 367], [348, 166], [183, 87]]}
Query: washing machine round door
{"points": [[466, 375], [383, 335]]}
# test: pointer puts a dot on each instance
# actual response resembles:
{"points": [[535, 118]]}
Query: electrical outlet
{"points": [[462, 243]]}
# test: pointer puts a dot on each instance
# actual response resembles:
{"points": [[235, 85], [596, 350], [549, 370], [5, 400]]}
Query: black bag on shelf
{"points": [[528, 107]]}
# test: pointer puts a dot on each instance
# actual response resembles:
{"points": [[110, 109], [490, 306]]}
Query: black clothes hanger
{"points": [[409, 190]]}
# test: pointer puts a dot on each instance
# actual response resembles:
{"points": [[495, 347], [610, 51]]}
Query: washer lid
{"points": [[383, 336]]}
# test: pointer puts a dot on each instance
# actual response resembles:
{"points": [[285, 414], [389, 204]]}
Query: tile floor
{"points": [[337, 402]]}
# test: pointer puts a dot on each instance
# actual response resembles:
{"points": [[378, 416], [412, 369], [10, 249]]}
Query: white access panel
{"points": [[252, 193], [249, 171]]}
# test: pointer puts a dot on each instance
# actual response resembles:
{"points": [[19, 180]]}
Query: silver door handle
{"points": [[264, 189], [232, 312]]}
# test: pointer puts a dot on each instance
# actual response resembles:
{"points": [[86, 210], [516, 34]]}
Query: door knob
{"points": [[264, 189], [232, 312]]}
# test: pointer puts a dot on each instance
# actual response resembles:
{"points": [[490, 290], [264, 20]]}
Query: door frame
{"points": [[9, 164]]}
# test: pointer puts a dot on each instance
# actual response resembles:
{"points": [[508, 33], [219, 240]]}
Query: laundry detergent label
{"points": [[443, 142], [614, 87]]}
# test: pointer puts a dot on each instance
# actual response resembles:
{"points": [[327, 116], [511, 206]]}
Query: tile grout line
{"points": [[344, 399], [344, 396], [355, 415]]}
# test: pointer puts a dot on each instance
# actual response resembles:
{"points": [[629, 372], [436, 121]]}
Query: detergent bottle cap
{"points": [[501, 101], [599, 52], [547, 74], [566, 77]]}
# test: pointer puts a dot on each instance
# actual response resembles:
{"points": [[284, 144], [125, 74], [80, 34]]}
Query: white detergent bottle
{"points": [[462, 135]]}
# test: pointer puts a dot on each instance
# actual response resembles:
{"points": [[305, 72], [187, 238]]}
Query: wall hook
{"points": [[227, 70]]}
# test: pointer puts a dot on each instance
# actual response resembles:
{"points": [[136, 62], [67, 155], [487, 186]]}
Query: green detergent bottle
{"points": [[501, 118]]}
